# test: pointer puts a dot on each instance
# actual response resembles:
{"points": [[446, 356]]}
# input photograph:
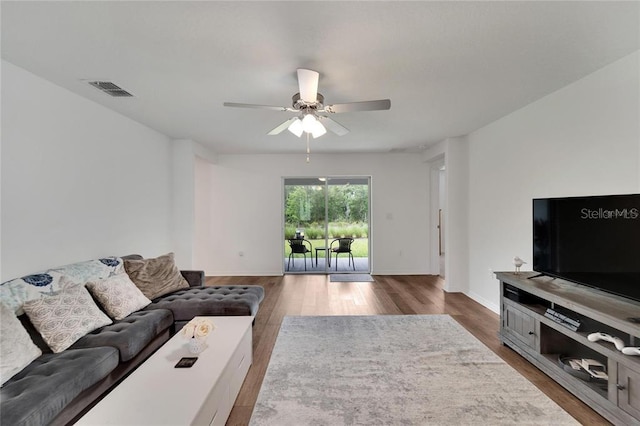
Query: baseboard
{"points": [[403, 272], [279, 273], [243, 274], [484, 302]]}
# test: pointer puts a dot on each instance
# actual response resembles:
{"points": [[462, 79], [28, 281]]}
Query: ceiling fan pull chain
{"points": [[308, 150]]}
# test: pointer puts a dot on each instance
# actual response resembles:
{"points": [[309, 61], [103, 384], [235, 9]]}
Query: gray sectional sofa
{"points": [[57, 388]]}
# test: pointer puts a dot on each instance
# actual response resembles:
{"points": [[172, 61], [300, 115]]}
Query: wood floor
{"points": [[388, 295]]}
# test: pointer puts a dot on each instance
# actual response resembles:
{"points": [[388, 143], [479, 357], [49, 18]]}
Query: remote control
{"points": [[631, 351], [594, 337]]}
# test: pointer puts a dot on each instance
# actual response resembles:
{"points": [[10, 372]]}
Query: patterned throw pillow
{"points": [[15, 292], [118, 295], [64, 318], [17, 350], [155, 277]]}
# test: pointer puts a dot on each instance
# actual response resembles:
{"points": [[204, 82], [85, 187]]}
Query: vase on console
{"points": [[197, 331], [197, 344]]}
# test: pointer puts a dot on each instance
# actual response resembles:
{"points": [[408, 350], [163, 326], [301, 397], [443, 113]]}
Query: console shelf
{"points": [[543, 341]]}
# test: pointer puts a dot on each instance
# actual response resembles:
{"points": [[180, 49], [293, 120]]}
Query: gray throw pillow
{"points": [[155, 277]]}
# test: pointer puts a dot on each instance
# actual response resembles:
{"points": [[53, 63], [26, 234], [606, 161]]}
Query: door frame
{"points": [[435, 168], [327, 270]]}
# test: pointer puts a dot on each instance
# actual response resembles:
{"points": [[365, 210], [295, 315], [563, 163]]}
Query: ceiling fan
{"points": [[309, 104]]}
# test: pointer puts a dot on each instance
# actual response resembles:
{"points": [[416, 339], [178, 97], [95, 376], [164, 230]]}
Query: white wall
{"points": [[78, 180], [581, 140], [187, 154], [204, 240], [457, 214], [245, 210], [183, 213]]}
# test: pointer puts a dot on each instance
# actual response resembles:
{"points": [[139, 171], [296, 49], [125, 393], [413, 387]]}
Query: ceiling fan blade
{"points": [[380, 104], [282, 127], [271, 107], [333, 125], [308, 84]]}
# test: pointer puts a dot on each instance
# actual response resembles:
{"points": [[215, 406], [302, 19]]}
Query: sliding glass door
{"points": [[326, 225]]}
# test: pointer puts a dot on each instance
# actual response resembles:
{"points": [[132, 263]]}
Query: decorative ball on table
{"points": [[518, 263], [197, 331]]}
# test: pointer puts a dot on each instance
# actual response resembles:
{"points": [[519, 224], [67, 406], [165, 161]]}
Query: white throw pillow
{"points": [[118, 295], [17, 350], [65, 317]]}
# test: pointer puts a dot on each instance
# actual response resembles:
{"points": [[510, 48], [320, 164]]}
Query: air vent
{"points": [[110, 89]]}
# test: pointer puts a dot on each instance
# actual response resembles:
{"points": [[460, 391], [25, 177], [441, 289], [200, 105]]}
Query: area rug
{"points": [[351, 278], [393, 370]]}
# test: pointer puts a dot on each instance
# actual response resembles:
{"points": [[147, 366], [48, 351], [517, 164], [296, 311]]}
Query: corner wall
{"points": [[456, 215], [581, 140], [79, 181], [455, 152]]}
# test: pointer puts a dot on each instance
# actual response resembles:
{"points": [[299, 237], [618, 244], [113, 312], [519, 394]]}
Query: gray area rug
{"points": [[393, 370], [351, 278]]}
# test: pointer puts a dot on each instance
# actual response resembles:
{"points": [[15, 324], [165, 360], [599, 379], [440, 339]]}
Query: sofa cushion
{"points": [[155, 277], [129, 335], [17, 291], [211, 301], [39, 392], [17, 350], [118, 295], [64, 318]]}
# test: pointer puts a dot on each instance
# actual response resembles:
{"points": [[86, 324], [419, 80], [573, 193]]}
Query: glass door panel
{"points": [[304, 225], [348, 224]]}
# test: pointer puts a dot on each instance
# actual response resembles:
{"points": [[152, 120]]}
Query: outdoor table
{"points": [[325, 249]]}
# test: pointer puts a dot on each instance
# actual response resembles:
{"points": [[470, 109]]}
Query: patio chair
{"points": [[343, 246], [299, 246]]}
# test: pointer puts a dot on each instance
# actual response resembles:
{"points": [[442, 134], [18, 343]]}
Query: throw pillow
{"points": [[155, 277], [17, 291], [17, 350], [118, 295], [63, 318]]}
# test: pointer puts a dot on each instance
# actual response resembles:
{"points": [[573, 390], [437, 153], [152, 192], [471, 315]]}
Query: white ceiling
{"points": [[449, 68]]}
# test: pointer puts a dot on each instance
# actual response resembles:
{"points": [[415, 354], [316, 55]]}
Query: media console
{"points": [[548, 340]]}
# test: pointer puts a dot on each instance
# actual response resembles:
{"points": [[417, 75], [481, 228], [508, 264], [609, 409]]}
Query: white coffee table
{"points": [[158, 394]]}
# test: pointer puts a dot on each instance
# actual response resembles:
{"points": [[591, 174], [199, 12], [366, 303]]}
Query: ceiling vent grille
{"points": [[110, 89]]}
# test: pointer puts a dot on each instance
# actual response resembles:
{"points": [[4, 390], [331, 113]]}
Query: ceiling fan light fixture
{"points": [[318, 129], [309, 123], [296, 127]]}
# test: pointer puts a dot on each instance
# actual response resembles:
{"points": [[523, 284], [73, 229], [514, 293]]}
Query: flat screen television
{"points": [[594, 241]]}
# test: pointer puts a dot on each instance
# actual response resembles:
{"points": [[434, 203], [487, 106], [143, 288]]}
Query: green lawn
{"points": [[359, 248]]}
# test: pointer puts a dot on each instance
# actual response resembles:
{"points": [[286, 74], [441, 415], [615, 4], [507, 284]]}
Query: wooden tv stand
{"points": [[543, 341]]}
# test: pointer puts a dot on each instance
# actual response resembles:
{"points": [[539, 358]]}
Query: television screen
{"points": [[593, 241]]}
